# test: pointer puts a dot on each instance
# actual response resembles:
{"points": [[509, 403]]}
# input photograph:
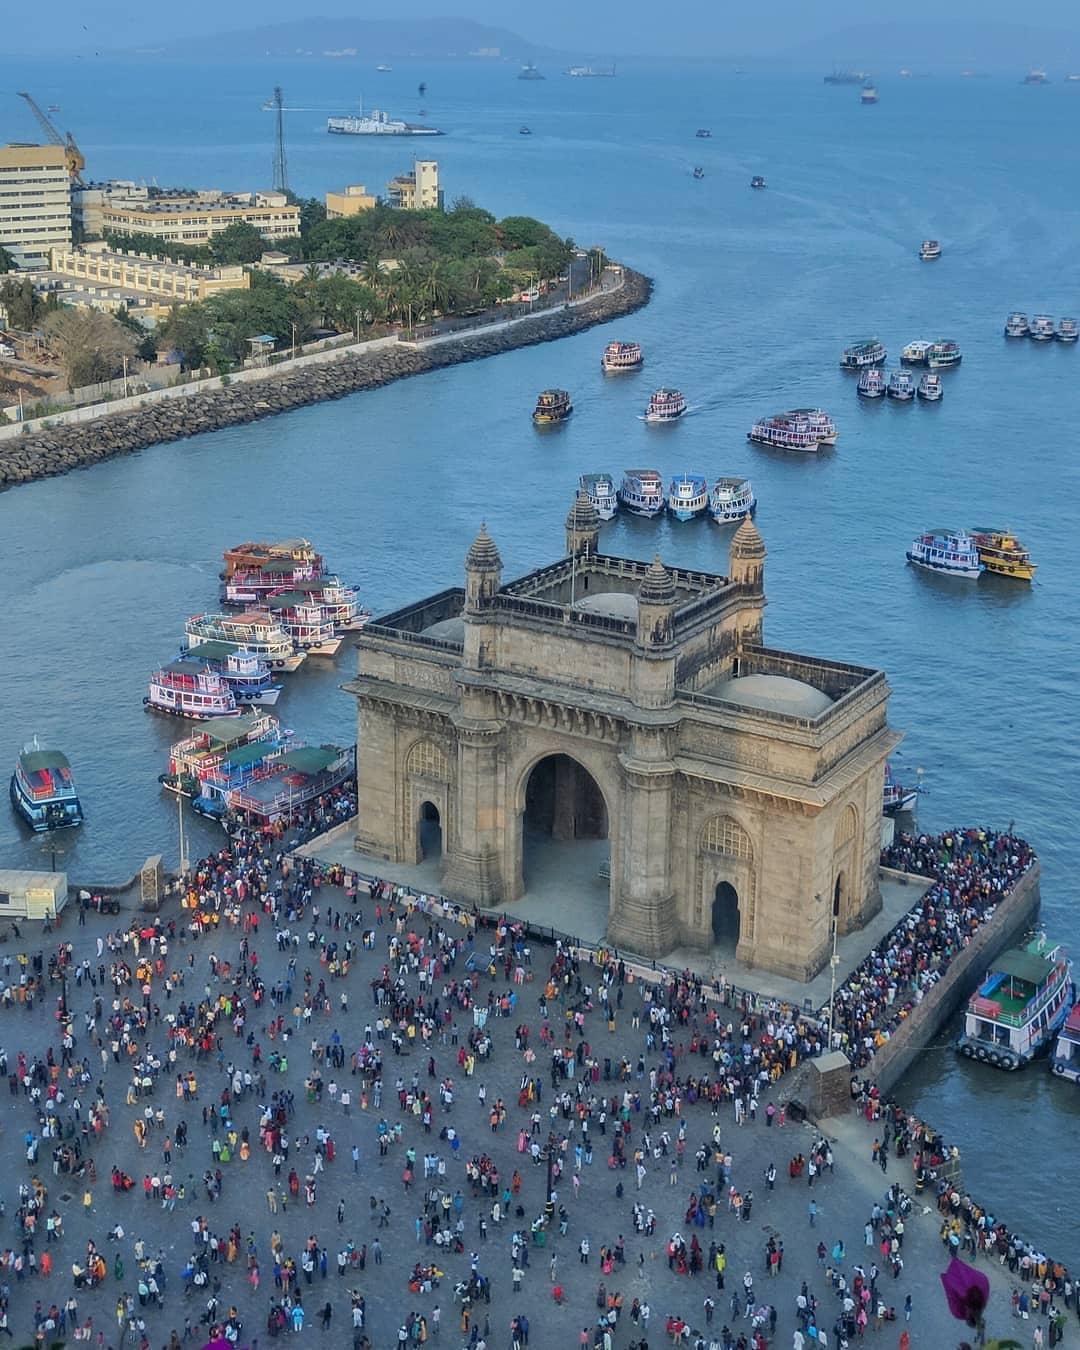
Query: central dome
{"points": [[774, 693]]}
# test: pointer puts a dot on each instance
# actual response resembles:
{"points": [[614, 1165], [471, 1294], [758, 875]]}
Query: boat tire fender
{"points": [[994, 1057], [1007, 1062], [1059, 1069], [981, 1054]]}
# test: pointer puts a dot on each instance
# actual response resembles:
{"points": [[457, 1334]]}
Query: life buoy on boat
{"points": [[981, 1054]]}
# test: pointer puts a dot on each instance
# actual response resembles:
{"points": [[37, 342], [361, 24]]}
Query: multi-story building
{"points": [[351, 202], [35, 202], [417, 190], [168, 282], [183, 218]]}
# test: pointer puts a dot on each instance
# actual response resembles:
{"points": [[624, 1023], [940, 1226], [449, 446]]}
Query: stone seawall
{"points": [[60, 449], [1011, 918]]}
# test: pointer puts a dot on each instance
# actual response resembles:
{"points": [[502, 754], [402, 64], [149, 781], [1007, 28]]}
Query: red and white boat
{"points": [[786, 431], [251, 585], [666, 405], [187, 691], [339, 600], [307, 622]]}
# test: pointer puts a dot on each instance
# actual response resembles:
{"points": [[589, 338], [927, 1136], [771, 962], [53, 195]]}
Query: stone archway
{"points": [[429, 833], [725, 915], [844, 902]]}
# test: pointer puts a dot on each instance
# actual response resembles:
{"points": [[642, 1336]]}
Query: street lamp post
{"points": [[292, 353], [834, 961], [358, 325], [180, 825]]}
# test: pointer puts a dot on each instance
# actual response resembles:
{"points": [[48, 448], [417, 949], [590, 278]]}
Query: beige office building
{"points": [[351, 202], [96, 265], [192, 219], [35, 202], [417, 190]]}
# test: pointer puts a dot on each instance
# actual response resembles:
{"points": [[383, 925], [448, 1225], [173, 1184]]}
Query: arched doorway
{"points": [[839, 896], [430, 833], [725, 915], [565, 851]]}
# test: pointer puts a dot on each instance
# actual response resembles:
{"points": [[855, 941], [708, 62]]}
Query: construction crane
{"points": [[75, 160]]}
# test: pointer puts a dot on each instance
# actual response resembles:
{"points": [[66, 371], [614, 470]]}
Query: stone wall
{"points": [[44, 453], [1012, 917]]}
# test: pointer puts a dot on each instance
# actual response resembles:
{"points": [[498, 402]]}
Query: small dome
{"points": [[657, 586], [582, 515], [747, 541], [483, 556], [774, 693]]}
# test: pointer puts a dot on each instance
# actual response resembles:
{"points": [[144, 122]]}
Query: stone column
{"points": [[473, 872], [643, 915]]}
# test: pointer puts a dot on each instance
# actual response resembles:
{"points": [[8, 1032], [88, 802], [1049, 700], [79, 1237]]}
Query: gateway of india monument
{"points": [[738, 787]]}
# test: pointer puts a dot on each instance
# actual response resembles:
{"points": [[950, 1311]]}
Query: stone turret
{"points": [[656, 602], [483, 571], [582, 526], [746, 557]]}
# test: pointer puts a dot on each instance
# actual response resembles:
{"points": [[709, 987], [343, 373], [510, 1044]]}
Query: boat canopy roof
{"points": [[33, 761], [224, 729], [311, 759], [248, 754], [1024, 965], [213, 651]]}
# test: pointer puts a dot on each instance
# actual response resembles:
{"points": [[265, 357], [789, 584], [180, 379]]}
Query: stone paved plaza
{"points": [[843, 1200]]}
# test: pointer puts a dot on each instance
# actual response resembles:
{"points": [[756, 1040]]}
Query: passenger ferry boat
{"points": [[299, 775], [43, 789], [642, 492], [784, 432], [688, 496], [245, 741], [1016, 325], [251, 631], [1065, 1060], [703, 133], [1067, 330], [251, 585], [1020, 1006], [600, 490], [731, 499], [949, 551], [699, 172], [248, 556], [871, 383], [820, 421], [1042, 328], [930, 387], [1036, 77], [665, 406], [901, 385], [340, 601], [308, 623], [944, 354], [188, 690], [552, 406], [859, 355], [1002, 553], [914, 354], [757, 181], [243, 672], [930, 250], [894, 797], [868, 93], [620, 356]]}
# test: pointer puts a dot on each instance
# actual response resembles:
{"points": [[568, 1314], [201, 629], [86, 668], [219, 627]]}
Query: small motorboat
{"points": [[757, 181], [930, 387], [699, 172], [524, 131], [703, 133], [930, 250]]}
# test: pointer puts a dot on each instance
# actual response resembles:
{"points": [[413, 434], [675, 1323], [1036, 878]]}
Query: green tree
{"points": [[90, 345], [7, 262], [238, 243], [146, 347], [522, 232]]}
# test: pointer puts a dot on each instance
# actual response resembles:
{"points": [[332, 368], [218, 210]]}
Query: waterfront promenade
{"points": [[237, 1009]]}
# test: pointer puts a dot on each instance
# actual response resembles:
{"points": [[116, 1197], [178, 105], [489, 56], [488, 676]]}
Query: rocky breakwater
{"points": [[59, 449]]}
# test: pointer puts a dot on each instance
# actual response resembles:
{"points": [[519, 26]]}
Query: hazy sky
{"points": [[682, 27]]}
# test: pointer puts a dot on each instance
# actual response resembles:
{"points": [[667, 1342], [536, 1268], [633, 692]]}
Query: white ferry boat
{"points": [[859, 355], [784, 432], [341, 601], [731, 499], [249, 678], [1042, 328], [943, 354], [868, 93], [600, 490], [308, 623], [901, 385], [249, 631], [620, 356], [930, 250], [950, 551], [376, 123], [930, 387], [1020, 1006], [43, 789], [642, 492], [666, 405], [188, 690], [250, 586], [914, 354], [1065, 1060], [1067, 330], [688, 496], [894, 796], [871, 383], [820, 421], [1016, 325]]}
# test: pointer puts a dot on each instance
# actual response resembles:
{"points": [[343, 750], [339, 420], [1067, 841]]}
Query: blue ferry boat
{"points": [[43, 789], [688, 496]]}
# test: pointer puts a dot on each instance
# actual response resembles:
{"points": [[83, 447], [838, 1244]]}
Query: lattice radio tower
{"points": [[281, 169]]}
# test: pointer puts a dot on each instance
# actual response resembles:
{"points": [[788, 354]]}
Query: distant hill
{"points": [[362, 39], [943, 44]]}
